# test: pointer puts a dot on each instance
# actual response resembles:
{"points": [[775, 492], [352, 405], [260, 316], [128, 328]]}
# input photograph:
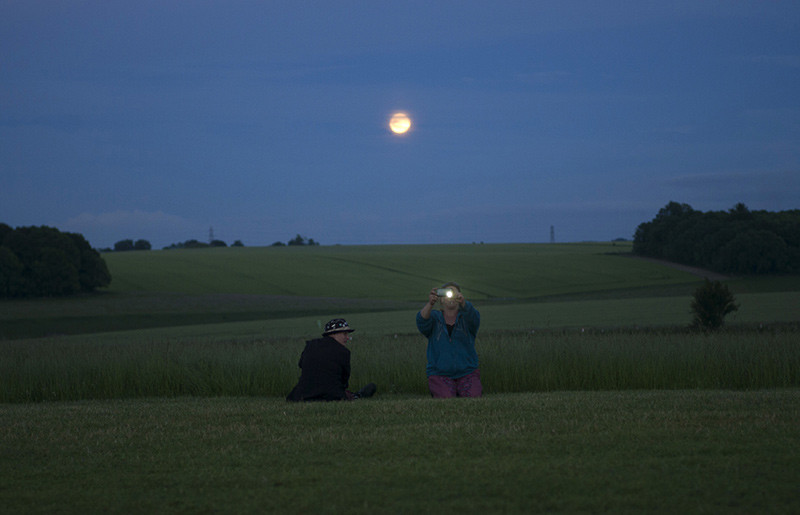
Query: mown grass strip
{"points": [[573, 452]]}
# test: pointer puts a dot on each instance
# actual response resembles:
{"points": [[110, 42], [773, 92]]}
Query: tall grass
{"points": [[625, 360], [52, 369]]}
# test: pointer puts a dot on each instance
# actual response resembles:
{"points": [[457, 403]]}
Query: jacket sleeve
{"points": [[472, 317], [425, 326]]}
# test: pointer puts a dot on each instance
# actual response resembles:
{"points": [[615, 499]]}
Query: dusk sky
{"points": [[159, 120]]}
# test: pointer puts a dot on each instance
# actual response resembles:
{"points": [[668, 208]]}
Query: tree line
{"points": [[45, 262], [297, 241], [738, 241], [129, 245], [194, 244]]}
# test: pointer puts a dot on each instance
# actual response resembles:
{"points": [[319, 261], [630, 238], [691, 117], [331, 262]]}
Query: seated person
{"points": [[325, 367]]}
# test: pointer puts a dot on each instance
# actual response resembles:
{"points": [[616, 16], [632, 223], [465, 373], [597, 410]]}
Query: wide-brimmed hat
{"points": [[337, 325]]}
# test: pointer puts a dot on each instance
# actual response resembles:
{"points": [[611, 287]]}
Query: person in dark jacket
{"points": [[325, 367]]}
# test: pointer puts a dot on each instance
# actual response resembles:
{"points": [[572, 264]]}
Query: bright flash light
{"points": [[445, 292]]}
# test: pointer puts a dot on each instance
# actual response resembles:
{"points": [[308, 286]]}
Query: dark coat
{"points": [[325, 371]]}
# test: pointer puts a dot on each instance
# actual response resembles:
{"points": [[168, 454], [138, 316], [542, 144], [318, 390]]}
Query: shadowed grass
{"points": [[575, 452]]}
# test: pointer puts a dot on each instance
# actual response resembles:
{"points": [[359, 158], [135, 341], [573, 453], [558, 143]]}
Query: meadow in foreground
{"points": [[703, 451], [598, 399]]}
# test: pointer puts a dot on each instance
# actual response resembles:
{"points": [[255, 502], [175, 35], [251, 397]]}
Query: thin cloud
{"points": [[786, 61], [545, 77], [104, 229], [733, 177], [684, 130], [770, 190], [706, 180], [119, 218]]}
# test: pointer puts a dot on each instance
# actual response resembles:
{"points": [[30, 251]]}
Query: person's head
{"points": [[339, 330], [451, 302]]}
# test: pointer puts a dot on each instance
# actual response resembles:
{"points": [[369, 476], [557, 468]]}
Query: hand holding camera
{"points": [[445, 292], [449, 296]]}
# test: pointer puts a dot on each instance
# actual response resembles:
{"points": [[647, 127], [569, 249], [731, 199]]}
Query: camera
{"points": [[445, 292]]}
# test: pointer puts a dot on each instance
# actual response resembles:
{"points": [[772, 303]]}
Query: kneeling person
{"points": [[325, 367]]}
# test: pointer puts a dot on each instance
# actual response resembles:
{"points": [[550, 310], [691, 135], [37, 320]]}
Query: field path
{"points": [[699, 272]]}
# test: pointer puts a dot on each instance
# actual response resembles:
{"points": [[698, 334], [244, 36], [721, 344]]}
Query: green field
{"points": [[284, 291], [165, 393], [669, 452]]}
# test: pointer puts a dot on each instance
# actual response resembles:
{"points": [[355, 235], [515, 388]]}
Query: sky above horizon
{"points": [[261, 120]]}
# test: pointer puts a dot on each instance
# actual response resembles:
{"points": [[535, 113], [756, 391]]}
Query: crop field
{"points": [[165, 392], [284, 291]]}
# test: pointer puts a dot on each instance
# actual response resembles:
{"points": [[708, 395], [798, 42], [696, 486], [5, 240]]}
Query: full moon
{"points": [[400, 123]]}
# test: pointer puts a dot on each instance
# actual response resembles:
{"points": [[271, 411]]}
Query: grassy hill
{"points": [[391, 272], [285, 290], [177, 376]]}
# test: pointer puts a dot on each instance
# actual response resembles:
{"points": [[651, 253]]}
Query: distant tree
{"points": [[237, 243], [124, 246], [652, 237], [737, 241], [217, 243], [188, 244], [54, 274], [754, 252], [11, 281], [92, 271], [740, 212], [27, 243], [279, 244], [5, 230], [298, 240], [142, 245], [710, 304], [43, 261]]}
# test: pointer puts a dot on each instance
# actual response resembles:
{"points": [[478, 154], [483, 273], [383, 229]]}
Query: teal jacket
{"points": [[451, 356]]}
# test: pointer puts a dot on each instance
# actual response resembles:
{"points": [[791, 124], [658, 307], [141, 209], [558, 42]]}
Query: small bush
{"points": [[710, 304]]}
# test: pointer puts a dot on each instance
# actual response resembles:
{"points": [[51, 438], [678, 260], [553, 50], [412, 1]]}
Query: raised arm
{"points": [[425, 312]]}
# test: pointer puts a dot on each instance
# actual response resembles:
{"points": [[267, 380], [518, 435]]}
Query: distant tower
{"points": [[210, 234], [552, 234]]}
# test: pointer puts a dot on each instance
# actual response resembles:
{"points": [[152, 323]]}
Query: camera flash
{"points": [[445, 292]]}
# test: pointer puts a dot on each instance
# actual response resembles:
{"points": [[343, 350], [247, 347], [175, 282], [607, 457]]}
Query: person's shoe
{"points": [[367, 391]]}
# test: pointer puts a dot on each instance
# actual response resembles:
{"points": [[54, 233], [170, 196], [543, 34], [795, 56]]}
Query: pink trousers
{"points": [[442, 387]]}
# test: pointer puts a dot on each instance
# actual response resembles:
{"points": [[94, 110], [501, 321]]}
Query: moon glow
{"points": [[400, 123]]}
